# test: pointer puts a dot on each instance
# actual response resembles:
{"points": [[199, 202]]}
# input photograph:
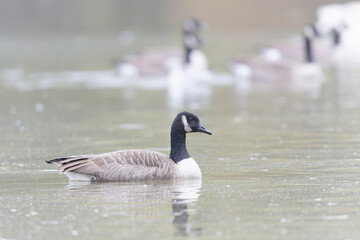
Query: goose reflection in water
{"points": [[125, 199], [184, 196]]}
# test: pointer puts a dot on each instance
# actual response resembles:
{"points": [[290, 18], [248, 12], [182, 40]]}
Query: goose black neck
{"points": [[187, 48], [336, 36], [178, 144], [309, 58], [187, 54]]}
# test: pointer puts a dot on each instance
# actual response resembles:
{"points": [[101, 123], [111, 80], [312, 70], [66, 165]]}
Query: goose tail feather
{"points": [[77, 168]]}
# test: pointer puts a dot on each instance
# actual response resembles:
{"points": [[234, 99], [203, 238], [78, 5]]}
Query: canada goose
{"points": [[139, 165], [188, 78], [192, 43], [151, 62], [281, 64], [301, 50]]}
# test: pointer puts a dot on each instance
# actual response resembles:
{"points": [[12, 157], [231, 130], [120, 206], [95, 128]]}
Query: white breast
{"points": [[198, 61], [188, 168]]}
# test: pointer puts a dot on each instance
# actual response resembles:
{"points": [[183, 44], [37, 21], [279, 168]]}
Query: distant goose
{"points": [[303, 49], [193, 57], [132, 165], [188, 78], [152, 62], [278, 63]]}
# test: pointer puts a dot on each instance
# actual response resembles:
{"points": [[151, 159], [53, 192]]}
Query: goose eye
{"points": [[191, 119]]}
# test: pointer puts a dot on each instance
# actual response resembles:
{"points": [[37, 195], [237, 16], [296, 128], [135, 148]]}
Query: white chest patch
{"points": [[188, 168]]}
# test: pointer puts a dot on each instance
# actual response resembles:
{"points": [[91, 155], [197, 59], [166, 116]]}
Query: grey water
{"points": [[282, 163]]}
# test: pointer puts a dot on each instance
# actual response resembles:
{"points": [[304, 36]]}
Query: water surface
{"points": [[282, 163]]}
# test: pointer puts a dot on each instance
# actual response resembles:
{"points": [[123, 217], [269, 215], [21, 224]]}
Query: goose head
{"points": [[194, 26], [310, 31], [186, 122], [191, 28], [183, 123]]}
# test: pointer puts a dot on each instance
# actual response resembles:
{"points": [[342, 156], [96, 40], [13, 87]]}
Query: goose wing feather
{"points": [[120, 165]]}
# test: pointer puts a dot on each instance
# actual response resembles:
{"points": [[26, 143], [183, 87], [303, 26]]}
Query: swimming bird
{"points": [[152, 62], [285, 62], [188, 78], [138, 165]]}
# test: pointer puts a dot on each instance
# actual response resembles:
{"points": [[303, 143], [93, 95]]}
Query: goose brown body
{"points": [[125, 165]]}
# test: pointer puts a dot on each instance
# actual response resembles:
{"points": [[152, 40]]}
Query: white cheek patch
{"points": [[187, 128]]}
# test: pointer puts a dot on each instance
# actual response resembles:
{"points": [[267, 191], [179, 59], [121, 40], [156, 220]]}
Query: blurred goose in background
{"points": [[307, 75], [188, 84], [296, 69], [138, 165], [275, 66], [295, 49], [188, 79], [342, 21], [192, 43], [152, 62], [322, 44]]}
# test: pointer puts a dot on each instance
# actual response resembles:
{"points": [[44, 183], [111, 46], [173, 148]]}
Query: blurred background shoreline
{"points": [[40, 35]]}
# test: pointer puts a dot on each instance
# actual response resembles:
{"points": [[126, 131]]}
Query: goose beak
{"points": [[203, 130]]}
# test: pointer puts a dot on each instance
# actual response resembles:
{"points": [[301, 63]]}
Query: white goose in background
{"points": [[343, 21], [276, 67]]}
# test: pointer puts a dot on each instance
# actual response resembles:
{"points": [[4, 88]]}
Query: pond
{"points": [[282, 163]]}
